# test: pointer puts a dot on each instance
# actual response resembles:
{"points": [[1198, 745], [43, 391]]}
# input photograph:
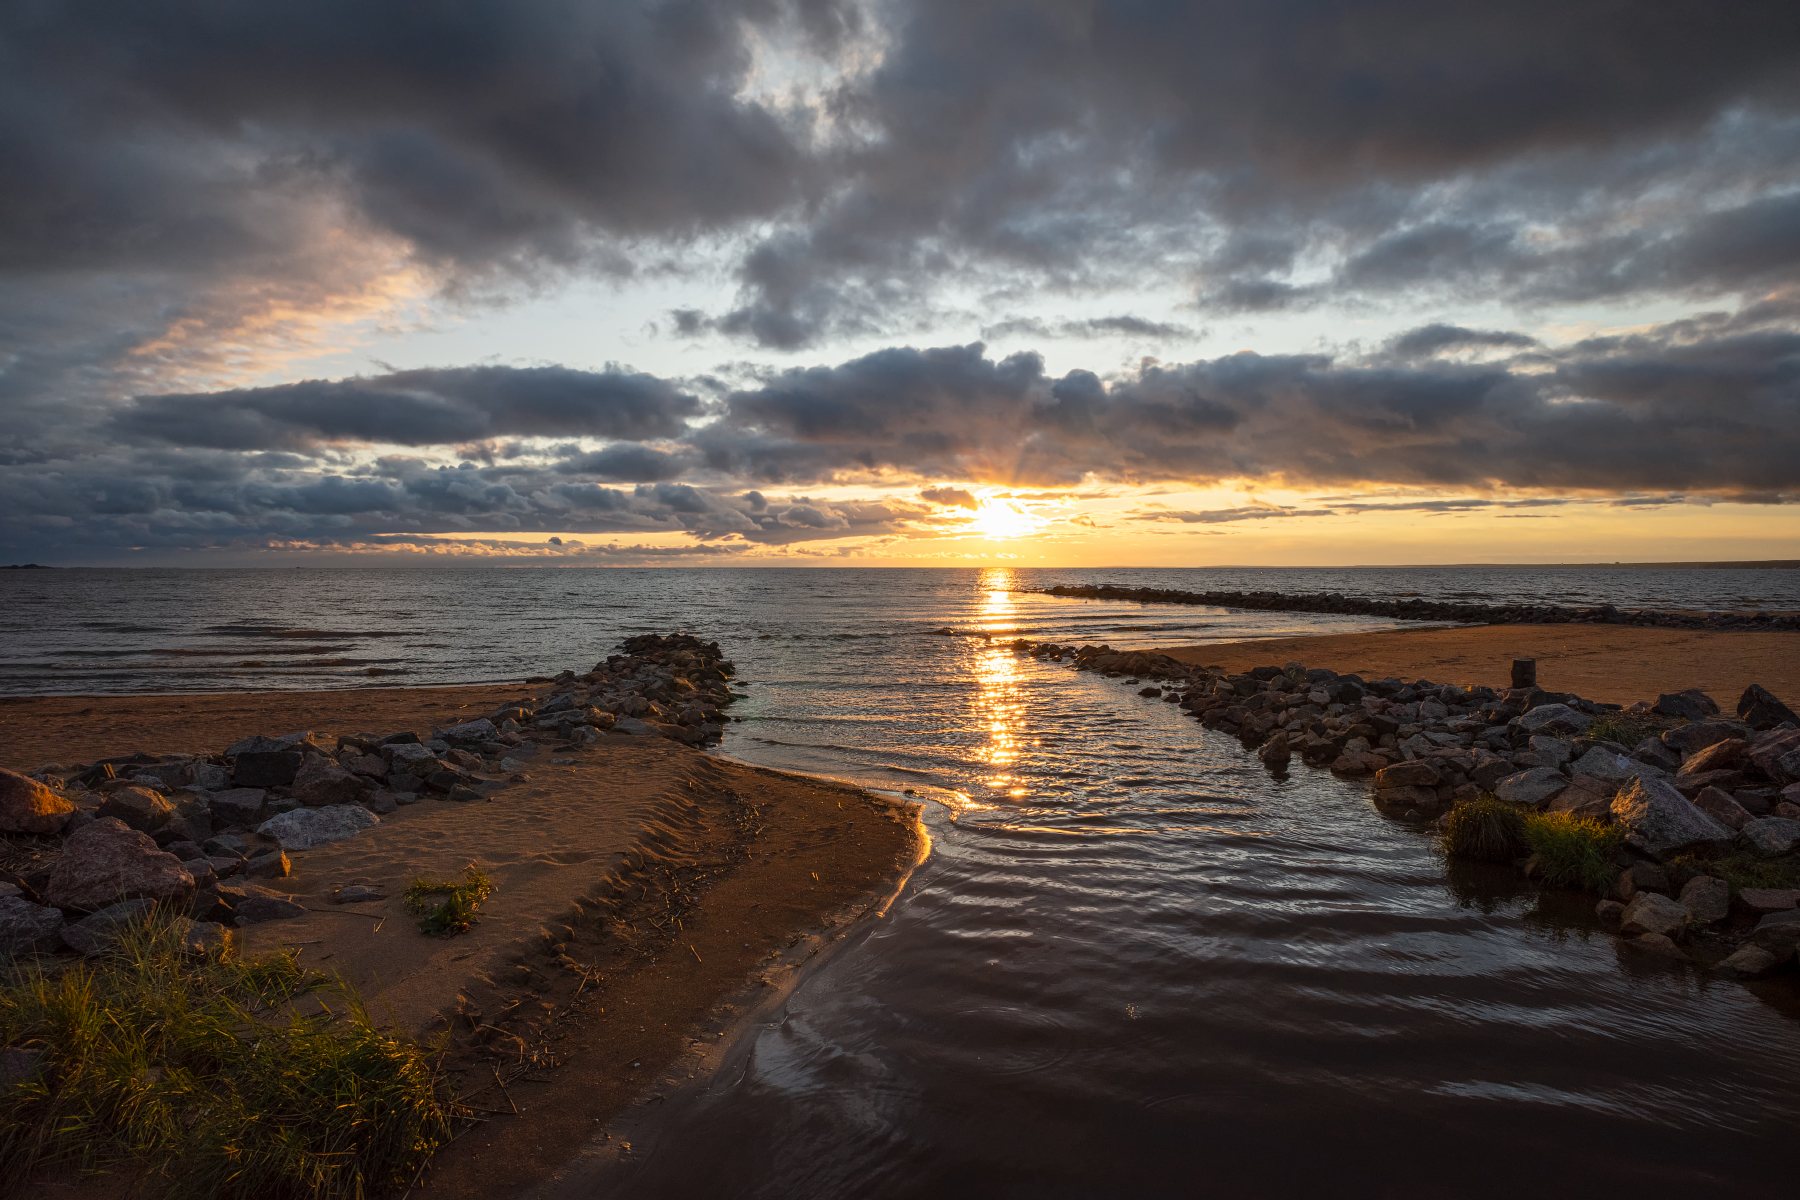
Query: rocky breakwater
{"points": [[1434, 610], [210, 834], [1686, 811]]}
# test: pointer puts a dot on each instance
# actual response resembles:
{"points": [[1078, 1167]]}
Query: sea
{"points": [[1134, 964]]}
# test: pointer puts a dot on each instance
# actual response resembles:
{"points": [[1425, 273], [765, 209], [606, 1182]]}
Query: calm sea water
{"points": [[1134, 964]]}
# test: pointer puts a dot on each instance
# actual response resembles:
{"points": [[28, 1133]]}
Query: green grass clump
{"points": [[456, 912], [1486, 828], [1746, 869], [1574, 851], [1615, 727], [186, 1072]]}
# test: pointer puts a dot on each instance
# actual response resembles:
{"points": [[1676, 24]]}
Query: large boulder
{"points": [[266, 768], [1685, 739], [1777, 755], [138, 807], [26, 927], [1728, 755], [1662, 823], [1418, 773], [1693, 704], [1650, 912], [305, 828], [1722, 807], [1761, 710], [1778, 932], [27, 806], [321, 781], [1706, 899], [1617, 769], [1770, 836], [482, 730], [106, 862], [237, 806], [1536, 787], [1554, 718]]}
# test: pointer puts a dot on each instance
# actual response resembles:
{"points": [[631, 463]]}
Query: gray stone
{"points": [[271, 865], [356, 893], [26, 927], [382, 803], [1706, 899], [404, 755], [1777, 755], [1554, 718], [106, 862], [1650, 912], [1778, 932], [1417, 773], [256, 743], [210, 776], [633, 725], [1768, 900], [1550, 751], [471, 731], [1652, 750], [1659, 944], [201, 869], [1641, 877], [1489, 774], [257, 908], [305, 828], [1686, 739], [1691, 785], [95, 932], [238, 806], [321, 782], [200, 938], [1662, 823], [139, 807], [1610, 911], [1761, 710], [224, 864], [224, 843], [27, 806], [266, 768], [1535, 787], [1770, 836], [1749, 962], [1614, 768], [1728, 755], [1721, 807], [1693, 704]]}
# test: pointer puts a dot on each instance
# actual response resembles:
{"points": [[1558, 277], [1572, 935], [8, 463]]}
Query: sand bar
{"points": [[640, 886], [1616, 664]]}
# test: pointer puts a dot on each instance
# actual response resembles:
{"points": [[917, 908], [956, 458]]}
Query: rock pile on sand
{"points": [[198, 831], [1434, 610], [1696, 782]]}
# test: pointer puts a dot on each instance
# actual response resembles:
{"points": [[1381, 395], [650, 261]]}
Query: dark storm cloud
{"points": [[422, 408]]}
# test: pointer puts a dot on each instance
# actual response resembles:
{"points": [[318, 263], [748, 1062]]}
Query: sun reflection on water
{"points": [[1000, 702]]}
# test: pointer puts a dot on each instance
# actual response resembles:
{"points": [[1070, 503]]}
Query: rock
{"points": [[258, 744], [382, 803], [1721, 807], [1662, 823], [1488, 775], [321, 782], [26, 928], [1693, 704], [27, 806], [633, 725], [1777, 755], [200, 868], [356, 893], [372, 765], [1761, 710], [1749, 962], [107, 862], [1770, 836], [1778, 932], [1587, 798], [266, 768], [1555, 718], [223, 865], [1614, 768], [95, 932], [1411, 796], [404, 755], [462, 794], [200, 938], [1691, 785], [305, 828], [1689, 738], [1550, 751], [1417, 773], [1535, 787], [1659, 944], [271, 865], [139, 808], [238, 806], [1758, 802], [259, 907], [1610, 911], [210, 776], [1706, 899], [1653, 913], [225, 843], [1768, 900], [1641, 877], [1728, 755], [1274, 753], [472, 731]]}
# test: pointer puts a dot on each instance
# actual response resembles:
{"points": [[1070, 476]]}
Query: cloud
{"points": [[950, 496]]}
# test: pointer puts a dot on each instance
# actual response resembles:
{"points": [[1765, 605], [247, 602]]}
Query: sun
{"points": [[999, 520]]}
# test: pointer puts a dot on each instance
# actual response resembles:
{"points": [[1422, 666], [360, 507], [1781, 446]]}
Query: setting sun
{"points": [[998, 518]]}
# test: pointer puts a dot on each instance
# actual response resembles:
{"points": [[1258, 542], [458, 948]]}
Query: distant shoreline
{"points": [[1764, 564]]}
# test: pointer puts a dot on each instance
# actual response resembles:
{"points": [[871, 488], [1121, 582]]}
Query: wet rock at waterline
{"points": [[1651, 912]]}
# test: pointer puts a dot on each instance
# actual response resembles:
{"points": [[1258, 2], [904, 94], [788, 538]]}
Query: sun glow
{"points": [[1001, 519]]}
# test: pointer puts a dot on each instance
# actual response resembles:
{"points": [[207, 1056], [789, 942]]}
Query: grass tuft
{"points": [[185, 1071], [456, 912], [1486, 828], [1574, 851], [1616, 727], [1746, 869]]}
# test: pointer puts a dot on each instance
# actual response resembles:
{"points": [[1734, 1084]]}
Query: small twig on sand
{"points": [[503, 1091], [695, 953]]}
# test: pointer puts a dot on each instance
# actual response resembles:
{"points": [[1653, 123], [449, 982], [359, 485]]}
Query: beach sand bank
{"points": [[640, 886], [1616, 664]]}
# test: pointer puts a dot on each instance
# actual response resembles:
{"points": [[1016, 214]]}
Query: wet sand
{"points": [[1617, 664], [642, 891]]}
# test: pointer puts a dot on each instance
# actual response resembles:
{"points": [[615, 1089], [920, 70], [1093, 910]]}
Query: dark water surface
{"points": [[1134, 964]]}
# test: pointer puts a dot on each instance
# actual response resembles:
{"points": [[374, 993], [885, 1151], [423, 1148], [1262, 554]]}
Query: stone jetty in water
{"points": [[1696, 805], [210, 834]]}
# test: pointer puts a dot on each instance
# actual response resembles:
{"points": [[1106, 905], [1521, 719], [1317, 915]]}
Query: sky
{"points": [[915, 282]]}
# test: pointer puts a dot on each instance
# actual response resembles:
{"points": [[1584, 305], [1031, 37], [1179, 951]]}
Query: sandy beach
{"points": [[639, 886], [1616, 664]]}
